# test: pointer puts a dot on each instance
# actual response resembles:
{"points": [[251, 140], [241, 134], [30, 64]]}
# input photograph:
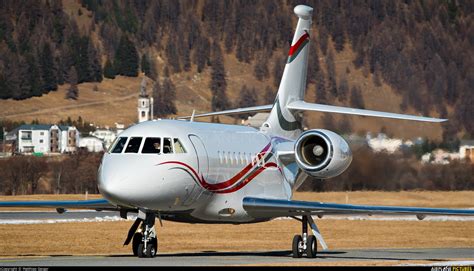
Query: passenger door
{"points": [[202, 166]]}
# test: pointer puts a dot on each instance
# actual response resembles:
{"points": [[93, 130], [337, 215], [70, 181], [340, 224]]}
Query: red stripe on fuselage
{"points": [[297, 45], [228, 183], [246, 181]]}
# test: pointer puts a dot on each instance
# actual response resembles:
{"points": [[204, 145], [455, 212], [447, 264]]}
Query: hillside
{"points": [[361, 46], [116, 101]]}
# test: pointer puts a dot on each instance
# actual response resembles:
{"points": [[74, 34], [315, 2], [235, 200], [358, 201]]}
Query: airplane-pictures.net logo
{"points": [[451, 268]]}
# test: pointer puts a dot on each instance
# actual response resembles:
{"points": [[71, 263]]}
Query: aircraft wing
{"points": [[253, 109], [95, 204], [267, 208], [304, 106]]}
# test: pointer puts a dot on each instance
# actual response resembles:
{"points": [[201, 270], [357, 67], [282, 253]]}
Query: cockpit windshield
{"points": [[152, 145], [118, 145], [156, 145], [133, 145]]}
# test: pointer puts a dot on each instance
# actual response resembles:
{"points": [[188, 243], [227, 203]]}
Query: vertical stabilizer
{"points": [[282, 121]]}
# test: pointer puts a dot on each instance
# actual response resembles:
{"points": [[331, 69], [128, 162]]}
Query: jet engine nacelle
{"points": [[322, 153]]}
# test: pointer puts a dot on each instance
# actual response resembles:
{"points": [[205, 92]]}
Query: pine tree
{"points": [[261, 68], [158, 104], [277, 72], [48, 71], [343, 89], [269, 96], [202, 54], [172, 55], [321, 93], [314, 67], [95, 66], [145, 64], [331, 73], [109, 71], [80, 57], [5, 92], [338, 33], [186, 59], [218, 80], [12, 77], [126, 58], [247, 98], [356, 100], [73, 91], [34, 77], [169, 97]]}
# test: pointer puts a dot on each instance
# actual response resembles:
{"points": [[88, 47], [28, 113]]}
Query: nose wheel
{"points": [[145, 240], [307, 244]]}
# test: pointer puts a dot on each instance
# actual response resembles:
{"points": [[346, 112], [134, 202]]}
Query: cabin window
{"points": [[167, 147], [117, 147], [178, 147], [237, 160], [133, 145], [152, 145]]}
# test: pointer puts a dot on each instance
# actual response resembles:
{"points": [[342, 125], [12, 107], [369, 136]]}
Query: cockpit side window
{"points": [[117, 147], [152, 145], [178, 147], [167, 148], [133, 145]]}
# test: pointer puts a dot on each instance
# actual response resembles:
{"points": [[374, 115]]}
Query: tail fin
{"points": [[282, 121]]}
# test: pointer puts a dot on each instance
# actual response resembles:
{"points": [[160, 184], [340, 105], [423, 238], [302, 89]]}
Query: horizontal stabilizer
{"points": [[304, 106], [245, 110]]}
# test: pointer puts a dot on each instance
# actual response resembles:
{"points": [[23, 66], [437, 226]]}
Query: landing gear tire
{"points": [[311, 247], [297, 246], [137, 239], [154, 241], [150, 250], [140, 252]]}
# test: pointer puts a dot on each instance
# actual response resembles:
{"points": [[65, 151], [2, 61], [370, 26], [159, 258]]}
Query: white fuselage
{"points": [[205, 182]]}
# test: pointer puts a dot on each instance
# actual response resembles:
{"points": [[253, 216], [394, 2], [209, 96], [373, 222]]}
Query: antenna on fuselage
{"points": [[192, 116]]}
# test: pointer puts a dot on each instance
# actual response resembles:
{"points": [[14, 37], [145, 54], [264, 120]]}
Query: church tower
{"points": [[145, 104]]}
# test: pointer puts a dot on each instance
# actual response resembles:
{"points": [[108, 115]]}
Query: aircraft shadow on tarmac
{"points": [[279, 253], [336, 255]]}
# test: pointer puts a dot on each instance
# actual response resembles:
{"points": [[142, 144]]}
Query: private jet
{"points": [[197, 172]]}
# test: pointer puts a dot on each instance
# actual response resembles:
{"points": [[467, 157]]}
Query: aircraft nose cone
{"points": [[111, 184]]}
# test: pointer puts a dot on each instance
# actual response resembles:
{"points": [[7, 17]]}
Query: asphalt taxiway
{"points": [[209, 258]]}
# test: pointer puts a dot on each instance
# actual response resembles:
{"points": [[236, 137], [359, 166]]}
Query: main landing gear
{"points": [[307, 244], [145, 240]]}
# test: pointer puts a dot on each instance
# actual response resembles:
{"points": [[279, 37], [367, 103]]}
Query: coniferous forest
{"points": [[422, 49]]}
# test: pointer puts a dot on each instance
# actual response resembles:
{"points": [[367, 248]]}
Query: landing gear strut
{"points": [[307, 244], [148, 243], [145, 241]]}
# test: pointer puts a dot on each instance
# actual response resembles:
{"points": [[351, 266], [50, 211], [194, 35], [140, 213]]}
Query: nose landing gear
{"points": [[145, 240]]}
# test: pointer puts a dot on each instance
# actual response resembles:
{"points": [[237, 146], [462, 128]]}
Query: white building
{"points": [[107, 136], [92, 144], [45, 139], [145, 104]]}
